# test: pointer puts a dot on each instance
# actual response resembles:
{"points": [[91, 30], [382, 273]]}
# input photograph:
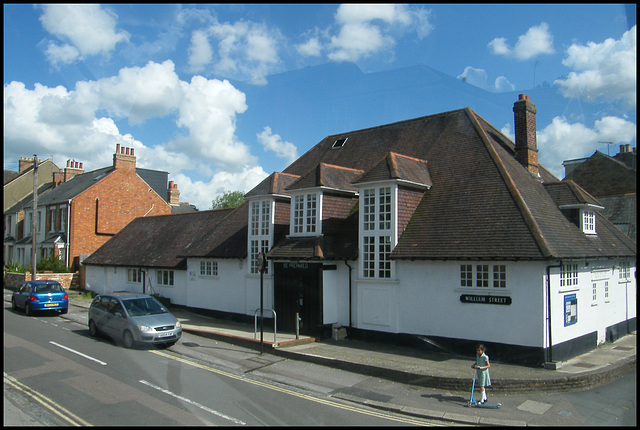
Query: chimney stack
{"points": [[73, 168], [525, 127], [24, 163], [124, 159], [173, 196]]}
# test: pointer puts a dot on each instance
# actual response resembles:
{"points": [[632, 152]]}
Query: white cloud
{"points": [[65, 124], [367, 30], [479, 78], [536, 41], [89, 29], [561, 141], [200, 52], [244, 51], [603, 71], [273, 142], [310, 48]]}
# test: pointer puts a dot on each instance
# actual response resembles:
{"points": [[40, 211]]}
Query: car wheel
{"points": [[13, 304], [93, 330], [64, 311], [27, 310], [127, 339]]}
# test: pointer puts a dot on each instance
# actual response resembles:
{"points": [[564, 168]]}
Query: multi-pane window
{"points": [[255, 247], [208, 268], [260, 232], [378, 235], [134, 275], [305, 214], [482, 273], [594, 292], [499, 276], [164, 277], [466, 275], [568, 275], [625, 270], [606, 290], [589, 222]]}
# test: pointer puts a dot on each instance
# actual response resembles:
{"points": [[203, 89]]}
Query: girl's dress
{"points": [[482, 375]]}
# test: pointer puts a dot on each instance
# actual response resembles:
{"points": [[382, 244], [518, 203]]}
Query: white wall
{"points": [[426, 301]]}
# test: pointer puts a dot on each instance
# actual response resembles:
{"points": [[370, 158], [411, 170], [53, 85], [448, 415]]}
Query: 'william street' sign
{"points": [[488, 300]]}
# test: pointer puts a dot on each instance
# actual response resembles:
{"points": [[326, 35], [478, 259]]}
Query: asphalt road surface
{"points": [[56, 374]]}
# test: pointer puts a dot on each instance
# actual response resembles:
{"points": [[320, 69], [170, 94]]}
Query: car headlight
{"points": [[144, 328], [178, 325]]}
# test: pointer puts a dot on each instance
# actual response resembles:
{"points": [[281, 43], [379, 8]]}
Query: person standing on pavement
{"points": [[482, 371]]}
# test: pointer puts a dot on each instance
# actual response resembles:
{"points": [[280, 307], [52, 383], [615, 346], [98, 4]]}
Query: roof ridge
{"points": [[529, 219]]}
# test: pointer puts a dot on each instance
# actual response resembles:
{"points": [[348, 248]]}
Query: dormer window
{"points": [[588, 221], [305, 210]]}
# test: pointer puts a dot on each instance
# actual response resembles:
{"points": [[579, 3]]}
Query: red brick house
{"points": [[83, 210]]}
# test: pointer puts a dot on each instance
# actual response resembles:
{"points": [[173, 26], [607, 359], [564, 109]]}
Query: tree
{"points": [[230, 199]]}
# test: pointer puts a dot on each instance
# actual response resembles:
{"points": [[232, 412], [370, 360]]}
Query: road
{"points": [[64, 377]]}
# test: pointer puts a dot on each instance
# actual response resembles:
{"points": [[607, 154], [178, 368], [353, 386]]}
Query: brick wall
{"points": [[13, 281]]}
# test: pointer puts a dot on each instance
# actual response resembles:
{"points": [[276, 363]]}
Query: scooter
{"points": [[476, 404]]}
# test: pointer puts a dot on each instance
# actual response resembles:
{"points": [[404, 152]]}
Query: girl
{"points": [[482, 370]]}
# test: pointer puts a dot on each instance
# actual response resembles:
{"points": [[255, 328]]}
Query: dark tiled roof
{"points": [[329, 176], [157, 241], [603, 175], [399, 167], [276, 183]]}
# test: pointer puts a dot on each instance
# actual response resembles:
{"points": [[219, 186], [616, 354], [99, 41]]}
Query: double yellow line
{"points": [[405, 420], [58, 410]]}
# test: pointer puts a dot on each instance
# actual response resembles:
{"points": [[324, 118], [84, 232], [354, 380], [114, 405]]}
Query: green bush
{"points": [[51, 264]]}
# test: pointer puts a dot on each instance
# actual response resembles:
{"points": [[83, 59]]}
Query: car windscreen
{"points": [[48, 288], [143, 306]]}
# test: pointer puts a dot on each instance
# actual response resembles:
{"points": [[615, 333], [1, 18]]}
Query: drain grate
{"points": [[587, 365], [623, 348]]}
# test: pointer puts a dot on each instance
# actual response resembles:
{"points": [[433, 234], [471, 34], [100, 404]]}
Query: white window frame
{"points": [[588, 220], [378, 222], [208, 268], [305, 214], [569, 275], [134, 276], [261, 219], [164, 278]]}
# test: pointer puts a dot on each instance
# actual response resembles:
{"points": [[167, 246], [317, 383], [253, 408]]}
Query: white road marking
{"points": [[79, 353], [191, 402]]}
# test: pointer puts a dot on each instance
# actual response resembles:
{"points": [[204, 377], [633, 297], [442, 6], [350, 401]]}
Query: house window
{"points": [[305, 214], [378, 234], [208, 268], [499, 276], [466, 275], [8, 225], [63, 219], [606, 291], [134, 276], [594, 292], [260, 237], [482, 275], [589, 222], [568, 275], [625, 271], [255, 247], [165, 278]]}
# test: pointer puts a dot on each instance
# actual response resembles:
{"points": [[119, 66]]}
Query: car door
{"points": [[115, 318], [23, 294]]}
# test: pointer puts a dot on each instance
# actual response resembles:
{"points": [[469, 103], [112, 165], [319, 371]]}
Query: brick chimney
{"points": [[524, 113], [73, 168], [24, 163], [173, 196], [124, 159]]}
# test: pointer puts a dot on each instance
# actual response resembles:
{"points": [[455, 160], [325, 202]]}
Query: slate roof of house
{"points": [[156, 179], [603, 175], [482, 203], [156, 241], [479, 202]]}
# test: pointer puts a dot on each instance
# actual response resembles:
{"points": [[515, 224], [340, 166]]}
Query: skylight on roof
{"points": [[339, 143]]}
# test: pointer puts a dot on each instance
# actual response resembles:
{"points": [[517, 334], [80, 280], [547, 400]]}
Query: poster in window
{"points": [[570, 309]]}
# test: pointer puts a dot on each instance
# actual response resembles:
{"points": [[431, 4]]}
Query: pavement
{"points": [[435, 385]]}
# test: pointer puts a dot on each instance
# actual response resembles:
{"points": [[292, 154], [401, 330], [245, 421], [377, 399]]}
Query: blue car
{"points": [[42, 295]]}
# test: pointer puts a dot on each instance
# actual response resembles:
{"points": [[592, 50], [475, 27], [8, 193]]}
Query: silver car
{"points": [[133, 318]]}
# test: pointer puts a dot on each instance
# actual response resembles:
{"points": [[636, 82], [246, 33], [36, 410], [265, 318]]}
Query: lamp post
{"points": [[261, 265]]}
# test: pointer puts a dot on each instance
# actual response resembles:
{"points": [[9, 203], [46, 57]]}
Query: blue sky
{"points": [[182, 83]]}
